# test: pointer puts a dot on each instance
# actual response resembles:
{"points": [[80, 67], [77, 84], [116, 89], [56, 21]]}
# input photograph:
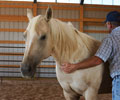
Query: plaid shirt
{"points": [[110, 50]]}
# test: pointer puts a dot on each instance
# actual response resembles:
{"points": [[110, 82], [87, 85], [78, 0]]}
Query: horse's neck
{"points": [[91, 43], [68, 44]]}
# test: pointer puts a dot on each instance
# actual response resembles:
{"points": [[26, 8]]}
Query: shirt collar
{"points": [[116, 31]]}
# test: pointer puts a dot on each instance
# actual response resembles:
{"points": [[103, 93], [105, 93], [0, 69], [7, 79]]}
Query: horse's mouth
{"points": [[28, 75], [28, 71]]}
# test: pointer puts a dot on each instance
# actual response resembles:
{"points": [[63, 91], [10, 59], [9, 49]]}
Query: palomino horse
{"points": [[47, 36]]}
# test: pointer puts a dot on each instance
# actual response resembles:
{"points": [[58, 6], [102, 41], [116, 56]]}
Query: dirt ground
{"points": [[42, 89]]}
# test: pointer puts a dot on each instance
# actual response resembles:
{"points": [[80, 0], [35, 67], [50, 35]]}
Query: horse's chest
{"points": [[73, 87], [68, 84], [79, 88]]}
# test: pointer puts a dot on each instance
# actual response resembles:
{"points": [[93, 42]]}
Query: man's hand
{"points": [[68, 68]]}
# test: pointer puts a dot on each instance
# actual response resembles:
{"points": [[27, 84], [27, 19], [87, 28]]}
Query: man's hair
{"points": [[115, 23]]}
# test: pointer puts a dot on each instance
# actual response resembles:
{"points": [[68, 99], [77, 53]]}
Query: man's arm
{"points": [[88, 63]]}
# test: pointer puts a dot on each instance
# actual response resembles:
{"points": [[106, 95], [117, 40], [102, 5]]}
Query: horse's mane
{"points": [[68, 39]]}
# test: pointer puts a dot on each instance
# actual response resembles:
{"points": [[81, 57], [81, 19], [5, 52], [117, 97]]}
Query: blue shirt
{"points": [[110, 50]]}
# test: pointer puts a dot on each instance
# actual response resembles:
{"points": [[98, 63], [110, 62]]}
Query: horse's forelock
{"points": [[41, 25]]}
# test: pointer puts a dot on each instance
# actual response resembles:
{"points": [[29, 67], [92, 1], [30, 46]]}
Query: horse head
{"points": [[38, 42]]}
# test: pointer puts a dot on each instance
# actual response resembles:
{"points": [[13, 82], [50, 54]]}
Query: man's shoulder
{"points": [[107, 39]]}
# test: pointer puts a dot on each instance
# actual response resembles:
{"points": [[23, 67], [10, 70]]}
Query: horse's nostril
{"points": [[25, 68], [29, 69]]}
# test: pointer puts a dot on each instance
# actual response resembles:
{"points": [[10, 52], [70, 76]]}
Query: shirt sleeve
{"points": [[105, 49]]}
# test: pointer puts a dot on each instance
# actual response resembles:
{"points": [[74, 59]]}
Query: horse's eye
{"points": [[43, 37]]}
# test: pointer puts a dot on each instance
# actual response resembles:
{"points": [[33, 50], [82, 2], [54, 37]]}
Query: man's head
{"points": [[112, 20]]}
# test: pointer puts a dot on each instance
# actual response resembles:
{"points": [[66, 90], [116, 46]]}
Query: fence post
{"points": [[35, 8], [1, 80], [81, 18]]}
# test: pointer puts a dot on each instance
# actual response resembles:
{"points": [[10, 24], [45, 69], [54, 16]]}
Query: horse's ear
{"points": [[69, 23], [29, 14], [48, 15]]}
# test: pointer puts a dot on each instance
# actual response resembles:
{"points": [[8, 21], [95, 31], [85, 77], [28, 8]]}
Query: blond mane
{"points": [[68, 41]]}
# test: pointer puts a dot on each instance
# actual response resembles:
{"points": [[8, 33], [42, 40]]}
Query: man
{"points": [[109, 50]]}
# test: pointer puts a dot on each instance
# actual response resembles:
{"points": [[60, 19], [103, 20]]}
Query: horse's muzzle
{"points": [[28, 71]]}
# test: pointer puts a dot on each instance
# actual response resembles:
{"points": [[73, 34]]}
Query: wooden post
{"points": [[1, 80], [35, 9], [81, 18]]}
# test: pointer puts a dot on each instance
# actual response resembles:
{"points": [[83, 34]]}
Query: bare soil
{"points": [[40, 89]]}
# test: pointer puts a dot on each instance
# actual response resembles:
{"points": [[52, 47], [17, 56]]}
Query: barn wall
{"points": [[13, 22]]}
